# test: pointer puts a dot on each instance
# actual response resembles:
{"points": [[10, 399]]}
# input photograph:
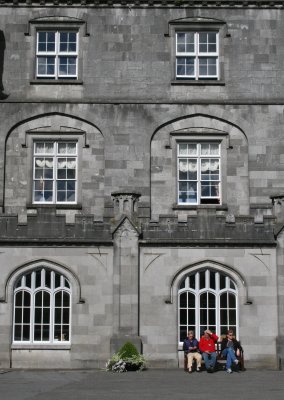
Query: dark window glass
{"points": [[183, 300], [202, 280]]}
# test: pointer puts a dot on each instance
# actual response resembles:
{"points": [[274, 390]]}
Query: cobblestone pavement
{"points": [[147, 385]]}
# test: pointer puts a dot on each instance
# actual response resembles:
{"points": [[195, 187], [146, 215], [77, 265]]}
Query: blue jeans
{"points": [[209, 359], [229, 353]]}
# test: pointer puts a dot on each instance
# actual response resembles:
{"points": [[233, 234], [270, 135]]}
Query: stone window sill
{"points": [[189, 82], [56, 82], [47, 346], [222, 207], [57, 206]]}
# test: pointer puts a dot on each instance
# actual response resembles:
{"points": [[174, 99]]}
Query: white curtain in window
{"points": [[69, 164], [209, 165], [44, 163], [191, 166]]}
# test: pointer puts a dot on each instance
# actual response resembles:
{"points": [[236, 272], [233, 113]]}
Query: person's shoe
{"points": [[229, 371], [210, 370]]}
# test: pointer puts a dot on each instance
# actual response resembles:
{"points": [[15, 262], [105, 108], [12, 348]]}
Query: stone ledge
{"points": [[146, 3]]}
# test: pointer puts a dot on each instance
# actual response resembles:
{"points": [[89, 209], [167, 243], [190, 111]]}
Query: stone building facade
{"points": [[141, 180]]}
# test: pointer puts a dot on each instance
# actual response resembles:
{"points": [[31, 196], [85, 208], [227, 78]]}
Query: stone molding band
{"points": [[147, 3]]}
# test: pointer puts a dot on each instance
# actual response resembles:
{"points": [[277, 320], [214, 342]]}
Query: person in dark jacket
{"points": [[190, 347], [230, 348]]}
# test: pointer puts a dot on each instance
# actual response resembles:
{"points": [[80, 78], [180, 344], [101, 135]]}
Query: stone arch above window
{"points": [[53, 128], [39, 264], [194, 130]]}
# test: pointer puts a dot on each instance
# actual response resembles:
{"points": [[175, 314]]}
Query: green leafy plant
{"points": [[126, 359]]}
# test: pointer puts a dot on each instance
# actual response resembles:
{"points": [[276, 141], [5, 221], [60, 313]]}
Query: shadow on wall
{"points": [[3, 95]]}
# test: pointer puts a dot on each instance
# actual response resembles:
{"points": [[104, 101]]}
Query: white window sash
{"points": [[197, 55], [55, 156], [199, 179], [57, 54]]}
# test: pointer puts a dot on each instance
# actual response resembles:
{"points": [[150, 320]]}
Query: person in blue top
{"points": [[191, 349]]}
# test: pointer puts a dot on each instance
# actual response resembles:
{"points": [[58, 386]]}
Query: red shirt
{"points": [[208, 345]]}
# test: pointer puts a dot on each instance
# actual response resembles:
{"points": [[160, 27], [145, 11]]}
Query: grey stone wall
{"points": [[127, 55], [125, 111]]}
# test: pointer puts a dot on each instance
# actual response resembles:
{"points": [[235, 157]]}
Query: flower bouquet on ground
{"points": [[126, 359]]}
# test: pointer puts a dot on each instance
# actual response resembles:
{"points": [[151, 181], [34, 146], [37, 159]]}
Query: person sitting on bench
{"points": [[231, 349], [190, 348], [207, 348]]}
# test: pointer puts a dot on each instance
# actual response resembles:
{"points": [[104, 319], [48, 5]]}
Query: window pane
{"points": [[212, 280], [65, 332], [57, 280], [26, 315], [46, 299], [18, 333], [232, 300], [203, 317], [37, 333], [27, 299], [212, 319], [192, 281], [57, 332], [46, 315], [223, 300], [28, 280], [38, 279], [183, 300], [37, 315], [18, 315], [66, 299], [232, 317], [38, 299], [58, 299], [223, 317], [191, 300], [183, 317], [212, 300], [19, 299], [222, 281], [26, 332], [45, 332], [191, 317], [202, 280], [66, 315], [57, 316], [203, 300]]}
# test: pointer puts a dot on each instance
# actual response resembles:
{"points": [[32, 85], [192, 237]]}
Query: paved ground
{"points": [[147, 385]]}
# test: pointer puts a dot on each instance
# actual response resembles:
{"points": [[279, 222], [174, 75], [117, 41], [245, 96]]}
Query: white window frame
{"points": [[197, 56], [199, 157], [54, 180], [230, 287], [32, 290], [56, 55]]}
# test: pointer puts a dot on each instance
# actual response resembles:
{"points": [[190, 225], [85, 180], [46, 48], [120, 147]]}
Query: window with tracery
{"points": [[207, 299], [42, 307]]}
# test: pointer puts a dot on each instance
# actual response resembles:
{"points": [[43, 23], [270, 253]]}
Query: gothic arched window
{"points": [[207, 300], [42, 307]]}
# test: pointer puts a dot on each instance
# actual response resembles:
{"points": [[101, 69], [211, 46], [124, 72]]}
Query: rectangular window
{"points": [[55, 172], [197, 55], [57, 55], [199, 173]]}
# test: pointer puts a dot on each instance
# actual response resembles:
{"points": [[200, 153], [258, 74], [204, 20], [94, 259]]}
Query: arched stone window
{"points": [[207, 299], [42, 307]]}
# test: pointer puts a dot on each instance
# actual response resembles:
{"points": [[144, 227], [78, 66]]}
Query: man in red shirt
{"points": [[207, 347]]}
